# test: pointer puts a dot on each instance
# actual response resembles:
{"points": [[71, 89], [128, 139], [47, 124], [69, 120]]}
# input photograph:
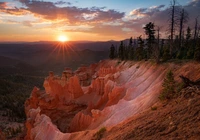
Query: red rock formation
{"points": [[115, 94], [80, 122], [74, 88], [98, 86]]}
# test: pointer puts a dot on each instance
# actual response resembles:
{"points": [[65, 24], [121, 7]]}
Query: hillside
{"points": [[109, 97], [176, 119], [51, 55]]}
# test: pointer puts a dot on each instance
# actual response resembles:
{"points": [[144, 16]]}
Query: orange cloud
{"points": [[61, 16]]}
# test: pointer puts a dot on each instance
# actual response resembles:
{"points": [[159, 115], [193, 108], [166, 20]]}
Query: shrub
{"points": [[168, 87], [154, 108], [11, 132], [99, 134]]}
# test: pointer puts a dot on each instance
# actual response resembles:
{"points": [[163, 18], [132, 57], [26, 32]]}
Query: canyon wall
{"points": [[101, 95]]}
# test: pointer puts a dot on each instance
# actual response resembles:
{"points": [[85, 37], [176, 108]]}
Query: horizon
{"points": [[29, 21]]}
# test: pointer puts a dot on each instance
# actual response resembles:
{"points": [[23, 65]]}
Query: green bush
{"points": [[168, 91]]}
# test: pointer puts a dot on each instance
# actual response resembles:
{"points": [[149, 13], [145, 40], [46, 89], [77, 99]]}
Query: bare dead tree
{"points": [[173, 18], [196, 28], [198, 35], [156, 50], [158, 33], [172, 22], [195, 36], [183, 19]]}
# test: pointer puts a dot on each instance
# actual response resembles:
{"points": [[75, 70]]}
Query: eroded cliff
{"points": [[101, 95]]}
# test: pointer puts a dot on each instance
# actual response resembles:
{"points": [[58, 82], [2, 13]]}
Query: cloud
{"points": [[139, 13], [13, 11], [27, 23], [71, 14], [194, 3], [98, 20], [99, 29], [3, 5], [143, 12], [137, 18], [62, 3], [193, 9]]}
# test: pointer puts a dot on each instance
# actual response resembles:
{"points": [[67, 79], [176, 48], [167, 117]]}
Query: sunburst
{"points": [[63, 38]]}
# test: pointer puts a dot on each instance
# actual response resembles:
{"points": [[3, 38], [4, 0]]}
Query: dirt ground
{"points": [[177, 119]]}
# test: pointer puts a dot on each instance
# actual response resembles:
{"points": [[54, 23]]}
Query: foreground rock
{"points": [[176, 119], [79, 103]]}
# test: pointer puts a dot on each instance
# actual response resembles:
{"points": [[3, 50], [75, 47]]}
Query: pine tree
{"points": [[188, 35], [189, 49], [168, 86], [126, 51], [166, 54], [162, 48], [130, 49], [196, 43], [197, 50], [112, 52], [150, 32], [140, 49], [121, 51]]}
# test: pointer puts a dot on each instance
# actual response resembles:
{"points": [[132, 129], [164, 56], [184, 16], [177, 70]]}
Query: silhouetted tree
{"points": [[116, 52], [156, 50], [130, 49], [195, 34], [189, 48], [130, 41], [188, 34], [121, 51], [197, 50], [172, 23], [112, 52], [166, 53], [196, 28], [183, 19], [140, 49], [150, 32], [162, 48], [126, 51]]}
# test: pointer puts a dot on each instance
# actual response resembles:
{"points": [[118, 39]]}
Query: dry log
{"points": [[189, 82]]}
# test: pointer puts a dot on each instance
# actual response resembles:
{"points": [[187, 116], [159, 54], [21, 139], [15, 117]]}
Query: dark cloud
{"points": [[97, 8], [62, 3]]}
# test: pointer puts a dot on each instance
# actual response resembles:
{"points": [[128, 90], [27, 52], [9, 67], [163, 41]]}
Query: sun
{"points": [[63, 38]]}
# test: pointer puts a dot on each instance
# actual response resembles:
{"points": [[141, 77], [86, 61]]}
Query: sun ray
{"points": [[63, 51]]}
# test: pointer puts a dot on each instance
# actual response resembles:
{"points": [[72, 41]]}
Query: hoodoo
{"points": [[105, 94]]}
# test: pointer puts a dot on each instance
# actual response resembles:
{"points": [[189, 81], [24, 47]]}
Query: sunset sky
{"points": [[45, 20]]}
